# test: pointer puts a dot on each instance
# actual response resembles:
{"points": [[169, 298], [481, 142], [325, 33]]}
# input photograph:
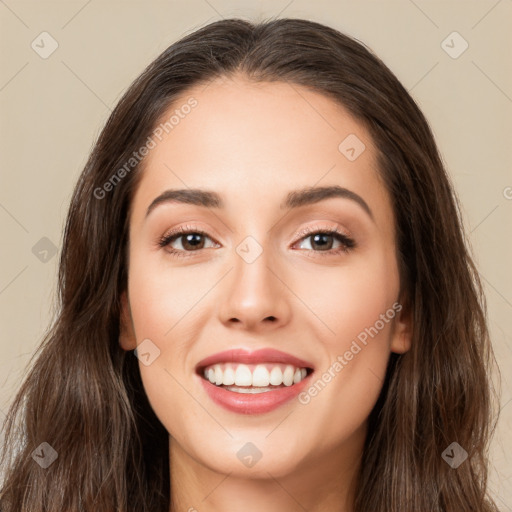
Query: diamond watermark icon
{"points": [[454, 45], [44, 250], [146, 352], [45, 455], [44, 45], [454, 455], [351, 147], [249, 454], [249, 249]]}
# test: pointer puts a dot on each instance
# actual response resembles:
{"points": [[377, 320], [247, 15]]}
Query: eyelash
{"points": [[347, 243], [177, 233]]}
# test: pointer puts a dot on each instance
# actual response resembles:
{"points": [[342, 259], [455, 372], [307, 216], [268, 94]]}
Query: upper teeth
{"points": [[259, 375]]}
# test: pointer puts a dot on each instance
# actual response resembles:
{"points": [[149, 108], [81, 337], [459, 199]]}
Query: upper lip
{"points": [[264, 355]]}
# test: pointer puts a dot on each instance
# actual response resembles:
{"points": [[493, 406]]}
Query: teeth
{"points": [[288, 375], [243, 376], [218, 375], [250, 390], [259, 376], [276, 376], [229, 376]]}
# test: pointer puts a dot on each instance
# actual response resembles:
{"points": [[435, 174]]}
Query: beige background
{"points": [[52, 110]]}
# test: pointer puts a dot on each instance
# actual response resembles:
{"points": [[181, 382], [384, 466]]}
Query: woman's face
{"points": [[257, 280]]}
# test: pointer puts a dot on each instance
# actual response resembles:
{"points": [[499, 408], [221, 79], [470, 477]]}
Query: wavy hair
{"points": [[83, 394]]}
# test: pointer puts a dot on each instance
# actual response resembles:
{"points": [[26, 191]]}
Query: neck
{"points": [[324, 483]]}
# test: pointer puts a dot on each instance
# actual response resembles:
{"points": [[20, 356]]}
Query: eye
{"points": [[186, 239], [323, 240]]}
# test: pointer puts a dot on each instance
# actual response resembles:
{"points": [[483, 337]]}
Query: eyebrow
{"points": [[294, 199]]}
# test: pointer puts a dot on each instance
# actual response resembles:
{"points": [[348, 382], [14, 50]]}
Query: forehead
{"points": [[253, 142]]}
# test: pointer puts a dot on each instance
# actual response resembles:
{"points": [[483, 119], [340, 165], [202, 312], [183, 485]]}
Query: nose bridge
{"points": [[255, 294]]}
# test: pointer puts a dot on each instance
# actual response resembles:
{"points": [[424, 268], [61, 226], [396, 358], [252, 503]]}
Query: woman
{"points": [[266, 224]]}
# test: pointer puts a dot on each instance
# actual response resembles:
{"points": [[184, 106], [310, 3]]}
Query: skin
{"points": [[253, 144]]}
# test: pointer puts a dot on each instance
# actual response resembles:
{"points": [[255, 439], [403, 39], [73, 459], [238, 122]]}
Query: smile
{"points": [[240, 377], [253, 382]]}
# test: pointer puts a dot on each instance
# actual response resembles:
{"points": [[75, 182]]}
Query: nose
{"points": [[255, 296]]}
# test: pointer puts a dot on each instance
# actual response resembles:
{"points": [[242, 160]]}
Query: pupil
{"points": [[193, 239], [320, 239]]}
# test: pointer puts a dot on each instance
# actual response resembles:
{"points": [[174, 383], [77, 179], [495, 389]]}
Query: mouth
{"points": [[253, 382], [253, 378]]}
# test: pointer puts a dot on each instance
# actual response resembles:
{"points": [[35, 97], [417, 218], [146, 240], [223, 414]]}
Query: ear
{"points": [[127, 338], [402, 332]]}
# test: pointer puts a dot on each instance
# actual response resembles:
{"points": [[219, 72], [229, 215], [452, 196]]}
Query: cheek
{"points": [[356, 308], [161, 297], [344, 391], [351, 298], [164, 304]]}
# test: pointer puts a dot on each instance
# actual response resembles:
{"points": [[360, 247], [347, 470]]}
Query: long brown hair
{"points": [[83, 395]]}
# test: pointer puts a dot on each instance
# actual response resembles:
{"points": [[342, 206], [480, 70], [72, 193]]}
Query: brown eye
{"points": [[190, 242], [185, 240], [323, 241]]}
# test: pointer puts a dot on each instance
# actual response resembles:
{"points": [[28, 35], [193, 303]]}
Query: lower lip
{"points": [[257, 403]]}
